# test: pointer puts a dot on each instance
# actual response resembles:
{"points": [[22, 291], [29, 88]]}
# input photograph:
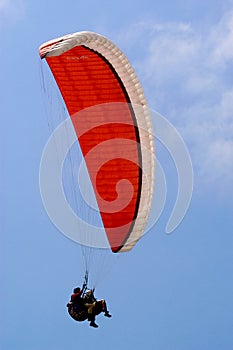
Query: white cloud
{"points": [[3, 4], [222, 40], [13, 9], [187, 76]]}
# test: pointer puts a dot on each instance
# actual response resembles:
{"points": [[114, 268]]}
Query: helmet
{"points": [[76, 290]]}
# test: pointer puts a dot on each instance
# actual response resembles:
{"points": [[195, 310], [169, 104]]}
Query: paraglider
{"points": [[111, 120], [83, 305]]}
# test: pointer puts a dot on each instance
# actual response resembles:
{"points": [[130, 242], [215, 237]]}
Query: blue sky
{"points": [[172, 291]]}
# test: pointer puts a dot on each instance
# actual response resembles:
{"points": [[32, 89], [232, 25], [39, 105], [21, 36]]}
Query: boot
{"points": [[93, 324], [107, 314]]}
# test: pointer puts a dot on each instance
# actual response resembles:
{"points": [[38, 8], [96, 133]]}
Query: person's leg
{"points": [[104, 308]]}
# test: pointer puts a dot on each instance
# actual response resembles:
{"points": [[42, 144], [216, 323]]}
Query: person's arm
{"points": [[76, 295], [92, 295], [83, 288]]}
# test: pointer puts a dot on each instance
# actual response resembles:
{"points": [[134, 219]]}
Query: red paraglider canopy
{"points": [[98, 87]]}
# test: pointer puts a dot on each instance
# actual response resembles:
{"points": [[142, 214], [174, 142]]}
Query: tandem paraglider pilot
{"points": [[84, 306]]}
